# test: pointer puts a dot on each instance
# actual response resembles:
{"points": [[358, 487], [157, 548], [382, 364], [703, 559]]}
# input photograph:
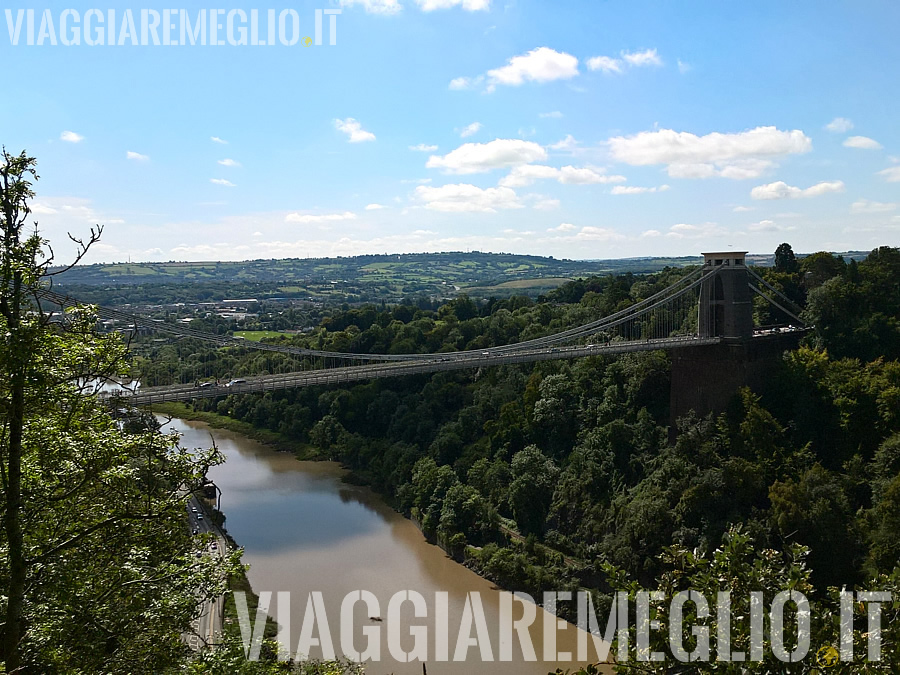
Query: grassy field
{"points": [[548, 282], [257, 335]]}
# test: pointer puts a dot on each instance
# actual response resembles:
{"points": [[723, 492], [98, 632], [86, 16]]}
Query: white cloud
{"points": [[353, 129], [229, 162], [60, 215], [521, 176], [545, 204], [483, 157], [648, 57], [781, 190], [421, 147], [735, 155], [865, 206], [608, 64], [587, 233], [221, 181], [216, 139], [571, 175], [375, 207], [862, 143], [891, 175], [459, 83], [555, 114], [40, 209], [470, 130], [738, 169], [375, 6], [599, 234], [839, 125], [136, 156], [468, 5], [688, 231], [527, 174], [605, 63], [742, 209], [764, 226], [568, 143], [71, 137], [539, 65], [635, 190], [683, 67], [306, 218], [741, 169], [651, 233], [462, 197]]}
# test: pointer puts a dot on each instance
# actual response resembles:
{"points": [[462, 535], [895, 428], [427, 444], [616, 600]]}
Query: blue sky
{"points": [[572, 128]]}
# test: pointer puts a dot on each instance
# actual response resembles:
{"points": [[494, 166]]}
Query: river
{"points": [[304, 530]]}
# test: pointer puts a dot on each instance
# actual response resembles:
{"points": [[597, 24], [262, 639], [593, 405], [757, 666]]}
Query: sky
{"points": [[578, 129]]}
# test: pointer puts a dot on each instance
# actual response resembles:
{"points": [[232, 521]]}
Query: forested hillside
{"points": [[537, 475]]}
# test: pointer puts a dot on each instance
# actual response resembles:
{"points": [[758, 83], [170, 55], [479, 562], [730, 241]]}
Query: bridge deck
{"points": [[440, 362]]}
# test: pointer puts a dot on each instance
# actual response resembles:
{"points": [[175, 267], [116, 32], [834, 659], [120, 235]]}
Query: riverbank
{"points": [[302, 451], [467, 556], [304, 529]]}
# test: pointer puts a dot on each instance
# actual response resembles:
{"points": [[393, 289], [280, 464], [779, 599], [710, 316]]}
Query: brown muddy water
{"points": [[303, 530]]}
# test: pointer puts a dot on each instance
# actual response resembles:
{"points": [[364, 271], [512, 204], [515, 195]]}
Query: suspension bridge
{"points": [[709, 306]]}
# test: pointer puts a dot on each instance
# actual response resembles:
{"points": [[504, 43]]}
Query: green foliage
{"points": [[531, 490], [98, 570], [857, 313], [785, 260], [741, 568], [229, 659], [538, 474]]}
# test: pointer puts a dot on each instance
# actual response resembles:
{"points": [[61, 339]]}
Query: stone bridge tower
{"points": [[726, 308], [705, 378]]}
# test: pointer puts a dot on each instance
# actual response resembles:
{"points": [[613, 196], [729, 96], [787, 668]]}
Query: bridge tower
{"points": [[704, 379], [726, 309]]}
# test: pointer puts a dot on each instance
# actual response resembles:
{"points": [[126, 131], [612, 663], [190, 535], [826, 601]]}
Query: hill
{"points": [[366, 278]]}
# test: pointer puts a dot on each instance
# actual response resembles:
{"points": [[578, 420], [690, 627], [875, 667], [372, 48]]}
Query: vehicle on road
{"points": [[236, 381]]}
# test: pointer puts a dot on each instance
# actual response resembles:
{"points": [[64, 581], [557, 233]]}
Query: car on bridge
{"points": [[237, 381]]}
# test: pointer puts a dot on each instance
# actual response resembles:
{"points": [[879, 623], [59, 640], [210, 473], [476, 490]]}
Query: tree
{"points": [[741, 568], [820, 267], [531, 491], [816, 512], [97, 567], [785, 261]]}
